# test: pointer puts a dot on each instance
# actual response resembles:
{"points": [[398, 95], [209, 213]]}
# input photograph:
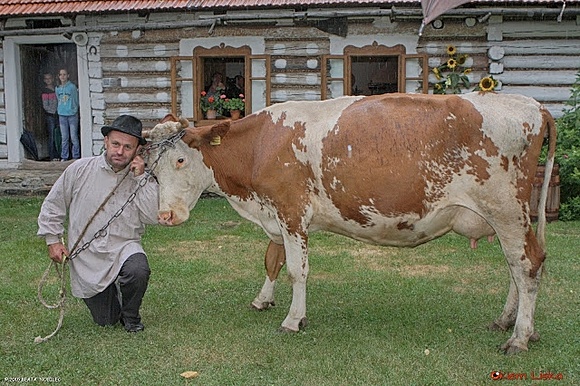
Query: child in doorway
{"points": [[68, 116], [49, 104]]}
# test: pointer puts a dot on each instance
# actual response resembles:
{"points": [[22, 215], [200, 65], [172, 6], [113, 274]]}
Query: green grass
{"points": [[373, 311]]}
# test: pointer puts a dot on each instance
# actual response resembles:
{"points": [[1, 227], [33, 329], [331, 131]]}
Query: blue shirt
{"points": [[68, 99]]}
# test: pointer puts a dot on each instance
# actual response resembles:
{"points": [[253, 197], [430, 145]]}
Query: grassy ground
{"points": [[380, 316]]}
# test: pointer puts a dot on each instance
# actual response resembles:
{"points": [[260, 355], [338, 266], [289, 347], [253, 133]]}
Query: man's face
{"points": [[120, 149]]}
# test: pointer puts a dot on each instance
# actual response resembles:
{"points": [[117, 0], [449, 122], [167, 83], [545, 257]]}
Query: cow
{"points": [[394, 169]]}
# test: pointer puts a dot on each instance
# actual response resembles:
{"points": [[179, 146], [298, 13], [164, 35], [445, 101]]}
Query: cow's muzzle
{"points": [[166, 218]]}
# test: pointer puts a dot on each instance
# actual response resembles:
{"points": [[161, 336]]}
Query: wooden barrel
{"points": [[553, 200]]}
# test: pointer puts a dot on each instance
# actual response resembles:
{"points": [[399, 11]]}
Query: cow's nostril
{"points": [[165, 217]]}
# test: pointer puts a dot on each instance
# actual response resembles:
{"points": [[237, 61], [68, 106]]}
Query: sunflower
{"points": [[467, 71], [461, 59], [451, 63], [437, 73], [487, 84], [451, 50]]}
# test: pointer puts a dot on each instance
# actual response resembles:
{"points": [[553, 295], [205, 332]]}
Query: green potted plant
{"points": [[235, 106]]}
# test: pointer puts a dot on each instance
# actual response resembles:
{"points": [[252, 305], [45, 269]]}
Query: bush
{"points": [[568, 156]]}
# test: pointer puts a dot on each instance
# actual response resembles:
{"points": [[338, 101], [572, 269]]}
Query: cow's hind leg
{"points": [[274, 261], [507, 318], [525, 258]]}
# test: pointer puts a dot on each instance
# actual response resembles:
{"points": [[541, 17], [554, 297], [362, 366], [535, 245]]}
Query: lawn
{"points": [[377, 315]]}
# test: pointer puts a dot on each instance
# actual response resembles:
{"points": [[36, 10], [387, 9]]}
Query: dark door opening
{"points": [[35, 62]]}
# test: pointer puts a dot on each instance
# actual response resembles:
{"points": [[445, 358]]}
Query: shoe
{"points": [[56, 159], [135, 327], [132, 327], [63, 160]]}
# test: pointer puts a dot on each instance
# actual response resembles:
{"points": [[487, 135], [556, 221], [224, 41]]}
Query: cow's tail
{"points": [[541, 229]]}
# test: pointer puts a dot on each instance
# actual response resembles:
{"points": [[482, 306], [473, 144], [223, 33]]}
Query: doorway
{"points": [[35, 61]]}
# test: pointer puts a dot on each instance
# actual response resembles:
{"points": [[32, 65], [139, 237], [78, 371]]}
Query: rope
{"points": [[62, 292]]}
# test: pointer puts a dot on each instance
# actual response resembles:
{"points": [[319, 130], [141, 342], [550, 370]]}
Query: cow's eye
{"points": [[180, 160]]}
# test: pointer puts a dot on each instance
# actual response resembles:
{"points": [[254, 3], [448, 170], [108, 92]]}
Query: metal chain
{"points": [[163, 146]]}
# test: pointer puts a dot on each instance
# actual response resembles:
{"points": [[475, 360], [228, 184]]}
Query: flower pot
{"points": [[235, 114], [210, 114]]}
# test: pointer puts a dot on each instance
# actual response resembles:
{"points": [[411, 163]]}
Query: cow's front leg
{"points": [[297, 266], [274, 261]]}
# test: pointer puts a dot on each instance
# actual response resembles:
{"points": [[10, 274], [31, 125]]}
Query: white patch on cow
{"points": [[318, 123], [502, 117]]}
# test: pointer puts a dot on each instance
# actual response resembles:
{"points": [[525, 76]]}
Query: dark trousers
{"points": [[108, 307]]}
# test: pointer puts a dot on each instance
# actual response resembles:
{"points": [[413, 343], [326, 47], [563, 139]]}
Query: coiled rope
{"points": [[62, 293]]}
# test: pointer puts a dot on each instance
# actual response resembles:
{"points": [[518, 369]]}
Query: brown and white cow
{"points": [[395, 169]]}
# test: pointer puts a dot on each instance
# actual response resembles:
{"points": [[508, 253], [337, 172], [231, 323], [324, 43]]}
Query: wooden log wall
{"points": [[129, 71]]}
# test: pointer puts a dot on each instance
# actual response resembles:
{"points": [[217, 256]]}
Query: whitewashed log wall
{"points": [[129, 71]]}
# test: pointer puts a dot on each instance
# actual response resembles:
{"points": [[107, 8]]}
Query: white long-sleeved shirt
{"points": [[78, 193]]}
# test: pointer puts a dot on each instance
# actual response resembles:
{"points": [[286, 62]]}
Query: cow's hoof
{"points": [[535, 337], [261, 306], [301, 326], [511, 348]]}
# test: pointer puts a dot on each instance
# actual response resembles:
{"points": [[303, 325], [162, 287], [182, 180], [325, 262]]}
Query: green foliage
{"points": [[235, 103], [452, 75], [377, 315], [568, 155]]}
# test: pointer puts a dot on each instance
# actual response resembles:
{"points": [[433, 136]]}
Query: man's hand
{"points": [[138, 165], [56, 251]]}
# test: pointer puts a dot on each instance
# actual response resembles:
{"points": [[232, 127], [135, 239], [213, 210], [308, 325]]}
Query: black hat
{"points": [[126, 124]]}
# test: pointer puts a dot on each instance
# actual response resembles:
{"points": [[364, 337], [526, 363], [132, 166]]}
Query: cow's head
{"points": [[179, 165]]}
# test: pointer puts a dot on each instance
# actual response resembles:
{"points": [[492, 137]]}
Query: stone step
{"points": [[31, 178]]}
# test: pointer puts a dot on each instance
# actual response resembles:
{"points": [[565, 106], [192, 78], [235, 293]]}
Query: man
{"points": [[49, 104], [68, 116], [114, 261]]}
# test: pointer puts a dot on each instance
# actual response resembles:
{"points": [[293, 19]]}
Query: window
{"points": [[373, 69], [233, 69]]}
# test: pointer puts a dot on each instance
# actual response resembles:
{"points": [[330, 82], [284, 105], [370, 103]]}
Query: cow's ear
{"points": [[198, 136], [220, 129]]}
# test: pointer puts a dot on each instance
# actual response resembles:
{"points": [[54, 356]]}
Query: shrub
{"points": [[568, 156]]}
